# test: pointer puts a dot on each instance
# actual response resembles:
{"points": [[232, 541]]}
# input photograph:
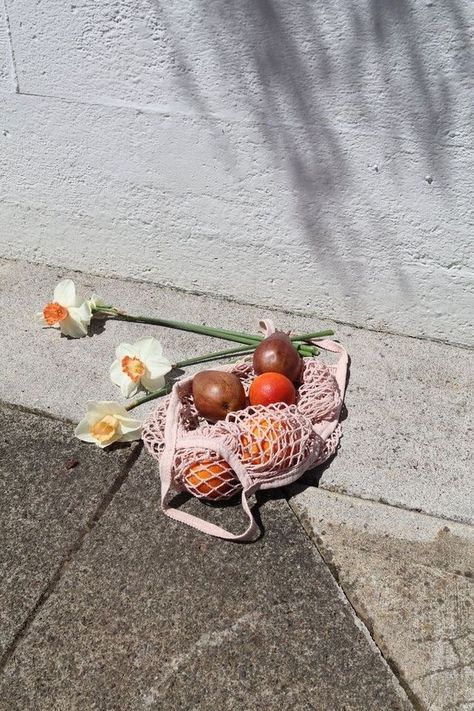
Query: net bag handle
{"points": [[206, 526], [342, 363], [200, 524], [340, 376]]}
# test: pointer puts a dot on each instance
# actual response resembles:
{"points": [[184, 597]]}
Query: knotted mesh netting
{"points": [[269, 445]]}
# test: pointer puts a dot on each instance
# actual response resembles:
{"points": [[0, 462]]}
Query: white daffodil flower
{"points": [[141, 364], [107, 422], [67, 311]]}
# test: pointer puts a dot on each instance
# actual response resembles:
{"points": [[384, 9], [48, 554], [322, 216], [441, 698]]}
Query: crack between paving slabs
{"points": [[37, 411], [68, 557], [363, 620]]}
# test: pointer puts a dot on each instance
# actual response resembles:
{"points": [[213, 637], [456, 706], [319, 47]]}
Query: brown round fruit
{"points": [[277, 354], [216, 393]]}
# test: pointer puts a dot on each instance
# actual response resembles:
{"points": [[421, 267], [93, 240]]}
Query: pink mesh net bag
{"points": [[255, 448]]}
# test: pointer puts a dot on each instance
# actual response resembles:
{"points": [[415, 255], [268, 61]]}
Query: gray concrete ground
{"points": [[50, 490], [391, 517], [140, 613], [410, 578]]}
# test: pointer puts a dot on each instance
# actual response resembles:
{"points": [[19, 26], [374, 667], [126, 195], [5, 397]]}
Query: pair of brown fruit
{"points": [[277, 364]]}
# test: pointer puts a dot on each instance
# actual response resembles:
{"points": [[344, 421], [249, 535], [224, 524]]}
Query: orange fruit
{"points": [[272, 387], [260, 441], [213, 478]]}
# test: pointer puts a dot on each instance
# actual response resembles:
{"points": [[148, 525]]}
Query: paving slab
{"points": [[151, 614], [51, 486], [410, 577], [407, 437]]}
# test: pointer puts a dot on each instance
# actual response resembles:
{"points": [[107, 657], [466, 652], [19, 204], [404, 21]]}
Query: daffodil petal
{"points": [[126, 384], [152, 383], [157, 367], [116, 373], [148, 347], [83, 432], [131, 429], [128, 387], [65, 293], [124, 349], [82, 313], [132, 435], [128, 423], [70, 327], [103, 445], [100, 408]]}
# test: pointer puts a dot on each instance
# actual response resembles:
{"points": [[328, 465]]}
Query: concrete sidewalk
{"points": [[391, 515], [108, 605], [409, 577]]}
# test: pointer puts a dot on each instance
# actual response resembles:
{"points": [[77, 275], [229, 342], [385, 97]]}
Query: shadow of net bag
{"points": [[259, 447]]}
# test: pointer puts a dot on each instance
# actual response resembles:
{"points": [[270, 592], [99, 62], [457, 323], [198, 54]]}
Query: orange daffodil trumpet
{"points": [[140, 365], [107, 422], [67, 311]]}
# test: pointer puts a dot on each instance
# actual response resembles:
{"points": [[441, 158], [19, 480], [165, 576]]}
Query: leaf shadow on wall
{"points": [[309, 76]]}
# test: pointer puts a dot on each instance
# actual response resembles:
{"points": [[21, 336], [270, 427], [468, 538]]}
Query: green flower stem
{"points": [[236, 336], [250, 341], [313, 336], [303, 349], [244, 350], [150, 396], [193, 328], [306, 351]]}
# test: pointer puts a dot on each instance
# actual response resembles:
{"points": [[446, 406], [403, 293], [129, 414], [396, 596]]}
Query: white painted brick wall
{"points": [[311, 155]]}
